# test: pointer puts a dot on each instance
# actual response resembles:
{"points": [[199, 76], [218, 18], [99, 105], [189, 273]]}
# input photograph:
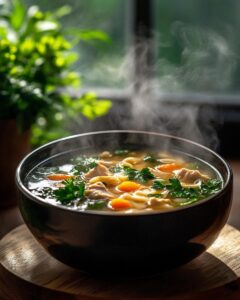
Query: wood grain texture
{"points": [[22, 256]]}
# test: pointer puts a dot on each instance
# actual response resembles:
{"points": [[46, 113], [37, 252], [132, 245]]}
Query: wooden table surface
{"points": [[13, 288]]}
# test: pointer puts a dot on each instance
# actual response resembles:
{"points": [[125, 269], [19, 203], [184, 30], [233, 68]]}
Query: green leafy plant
{"points": [[37, 56], [188, 195], [139, 175], [84, 164], [72, 189]]}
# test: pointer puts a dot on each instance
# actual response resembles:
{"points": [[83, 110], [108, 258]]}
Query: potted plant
{"points": [[36, 59]]}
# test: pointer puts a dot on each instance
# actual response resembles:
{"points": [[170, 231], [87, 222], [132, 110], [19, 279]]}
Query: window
{"points": [[198, 46], [191, 56], [194, 43], [99, 61]]}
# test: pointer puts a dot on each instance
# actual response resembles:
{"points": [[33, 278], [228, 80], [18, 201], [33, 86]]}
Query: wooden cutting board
{"points": [[21, 255]]}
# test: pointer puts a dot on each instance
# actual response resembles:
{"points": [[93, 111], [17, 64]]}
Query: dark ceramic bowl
{"points": [[105, 242]]}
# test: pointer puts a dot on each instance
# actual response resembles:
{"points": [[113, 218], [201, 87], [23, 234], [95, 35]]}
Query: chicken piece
{"points": [[99, 170], [160, 203], [190, 176], [139, 205], [108, 180], [98, 191], [105, 154], [108, 164], [160, 174]]}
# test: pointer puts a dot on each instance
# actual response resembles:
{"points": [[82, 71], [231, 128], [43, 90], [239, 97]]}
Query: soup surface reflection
{"points": [[126, 181]]}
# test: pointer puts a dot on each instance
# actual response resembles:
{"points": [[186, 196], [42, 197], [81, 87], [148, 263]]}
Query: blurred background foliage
{"points": [[196, 42], [36, 54], [99, 63], [196, 49]]}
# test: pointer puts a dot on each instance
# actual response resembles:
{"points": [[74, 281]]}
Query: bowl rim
{"points": [[39, 200]]}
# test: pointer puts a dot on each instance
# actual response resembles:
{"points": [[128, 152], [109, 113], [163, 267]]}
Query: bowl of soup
{"points": [[124, 202]]}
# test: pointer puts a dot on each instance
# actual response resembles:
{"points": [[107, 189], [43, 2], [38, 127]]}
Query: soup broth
{"points": [[125, 181]]}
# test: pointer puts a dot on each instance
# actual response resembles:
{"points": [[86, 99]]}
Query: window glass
{"points": [[99, 61], [197, 45]]}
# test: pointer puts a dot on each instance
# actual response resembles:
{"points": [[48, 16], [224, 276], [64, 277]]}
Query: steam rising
{"points": [[207, 61], [206, 66]]}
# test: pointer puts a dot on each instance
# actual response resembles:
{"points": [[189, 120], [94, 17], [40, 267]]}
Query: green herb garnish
{"points": [[121, 152], [175, 184], [46, 192], [73, 189], [158, 185], [96, 205], [141, 176], [84, 164], [188, 195], [116, 169], [211, 186], [155, 195], [150, 159]]}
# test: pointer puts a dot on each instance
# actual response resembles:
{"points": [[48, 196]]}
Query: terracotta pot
{"points": [[14, 146]]}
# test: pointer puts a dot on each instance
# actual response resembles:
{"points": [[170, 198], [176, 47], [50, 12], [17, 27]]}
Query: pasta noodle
{"points": [[125, 181]]}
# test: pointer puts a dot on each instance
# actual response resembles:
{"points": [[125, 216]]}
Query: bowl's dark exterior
{"points": [[116, 243]]}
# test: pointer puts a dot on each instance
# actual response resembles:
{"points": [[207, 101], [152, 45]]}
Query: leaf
{"points": [[96, 205], [150, 158], [175, 184], [141, 176], [70, 58], [155, 195], [46, 26], [158, 185], [73, 189], [34, 51], [116, 169], [88, 34], [91, 107], [101, 107], [84, 164], [62, 11], [17, 14]]}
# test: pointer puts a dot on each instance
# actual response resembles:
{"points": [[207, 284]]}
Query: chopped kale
{"points": [[151, 159], [96, 205], [141, 176], [158, 185], [211, 187], [116, 169], [130, 172], [189, 195], [45, 192], [73, 189], [155, 195], [84, 164], [144, 175], [186, 193], [174, 184]]}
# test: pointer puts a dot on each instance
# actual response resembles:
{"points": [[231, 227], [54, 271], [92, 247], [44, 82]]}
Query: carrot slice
{"points": [[128, 186], [120, 204], [170, 167], [59, 176]]}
